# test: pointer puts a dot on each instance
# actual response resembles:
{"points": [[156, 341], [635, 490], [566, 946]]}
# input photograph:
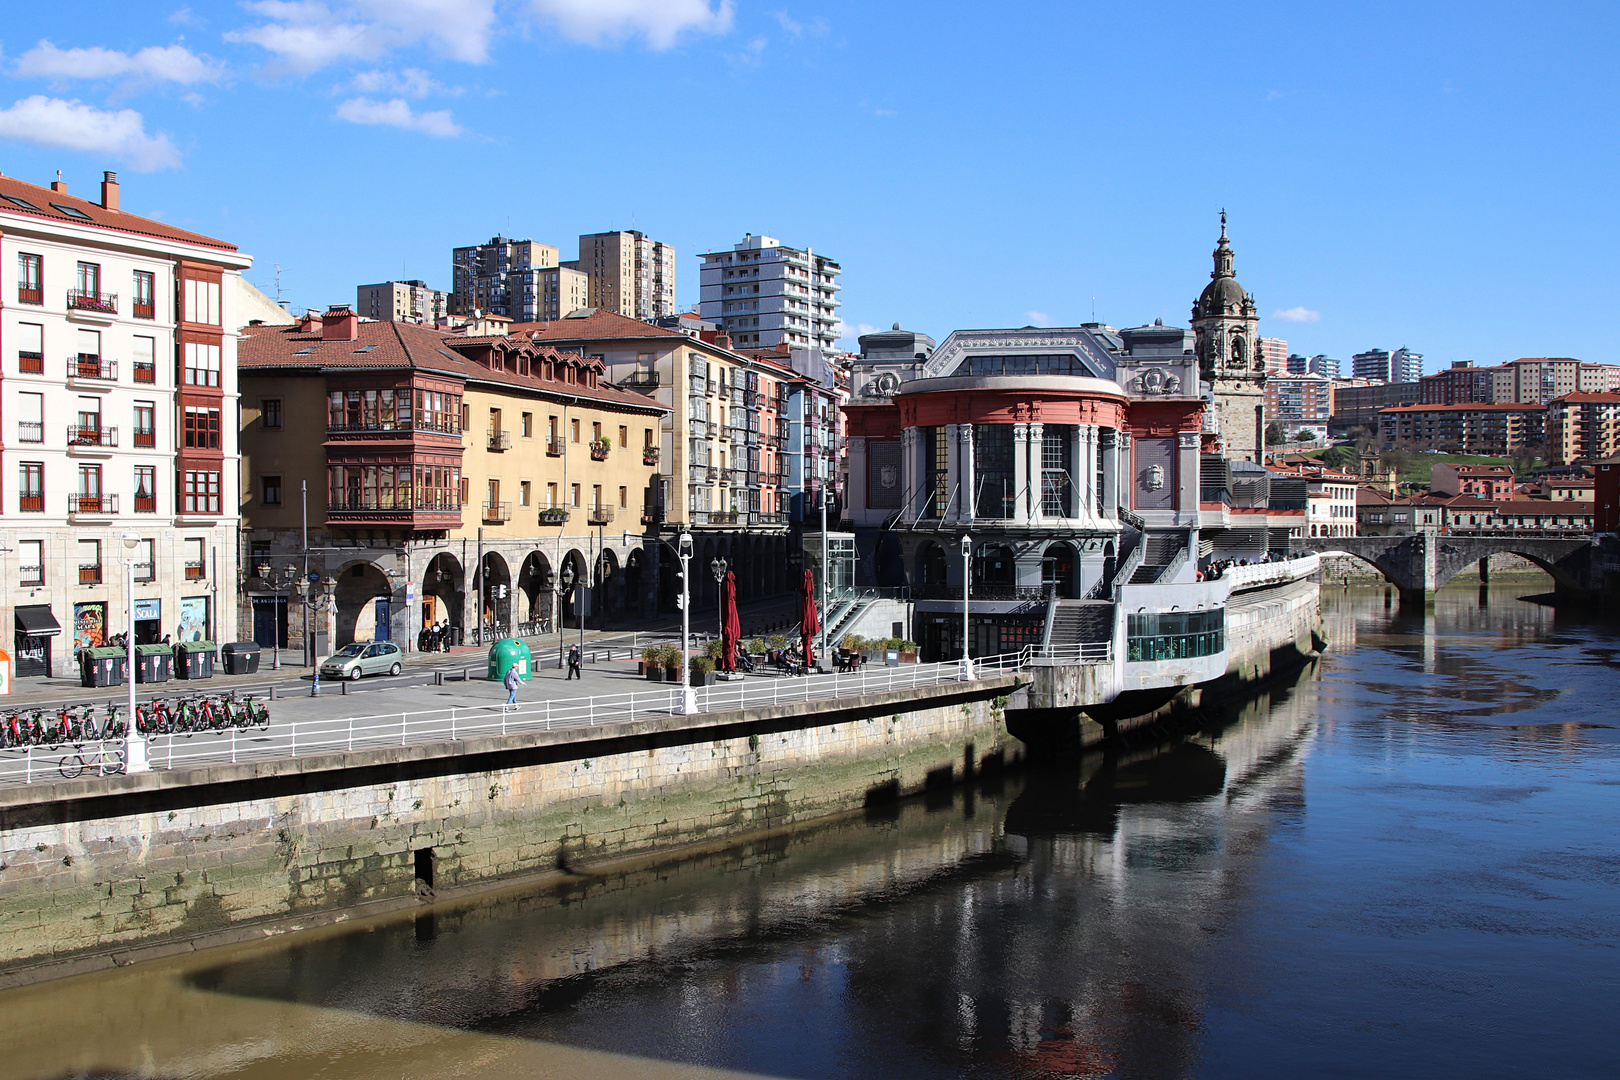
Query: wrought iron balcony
{"points": [[145, 372], [554, 446], [145, 438], [600, 450], [497, 512], [554, 515], [98, 302], [649, 455], [92, 367], [31, 363], [600, 515], [105, 438], [500, 440], [92, 504], [196, 570], [31, 431], [641, 380], [89, 573]]}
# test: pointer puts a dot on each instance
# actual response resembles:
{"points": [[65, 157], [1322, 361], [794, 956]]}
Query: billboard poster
{"points": [[89, 625], [193, 619]]}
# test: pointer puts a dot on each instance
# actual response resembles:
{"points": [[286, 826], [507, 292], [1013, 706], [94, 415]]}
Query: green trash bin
{"points": [[154, 663], [506, 654], [104, 665], [194, 659]]}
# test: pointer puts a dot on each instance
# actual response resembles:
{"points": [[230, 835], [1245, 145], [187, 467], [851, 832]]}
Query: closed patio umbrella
{"points": [[730, 625], [809, 618]]}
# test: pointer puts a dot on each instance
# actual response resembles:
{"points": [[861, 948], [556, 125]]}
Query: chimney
{"points": [[58, 185], [109, 191], [340, 323]]}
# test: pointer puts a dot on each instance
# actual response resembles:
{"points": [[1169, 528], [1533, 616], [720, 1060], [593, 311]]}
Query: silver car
{"points": [[363, 658]]}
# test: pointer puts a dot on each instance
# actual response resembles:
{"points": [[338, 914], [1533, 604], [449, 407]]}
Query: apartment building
{"points": [[1357, 404], [628, 273], [1313, 365], [722, 451], [117, 376], [563, 289], [1300, 403], [817, 388], [1492, 429], [402, 301], [1583, 427], [1330, 498], [482, 482], [764, 294], [1401, 366], [501, 277], [1460, 384], [1480, 481], [1274, 353]]}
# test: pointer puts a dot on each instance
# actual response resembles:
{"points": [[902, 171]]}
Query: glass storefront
{"points": [[1174, 635]]}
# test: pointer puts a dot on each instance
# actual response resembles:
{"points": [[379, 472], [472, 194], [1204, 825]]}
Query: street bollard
{"points": [[438, 678], [272, 693]]}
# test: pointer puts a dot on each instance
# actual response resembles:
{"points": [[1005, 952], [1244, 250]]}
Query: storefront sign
{"points": [[148, 609]]}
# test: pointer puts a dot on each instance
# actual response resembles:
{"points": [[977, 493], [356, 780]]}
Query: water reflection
{"points": [[1180, 910]]}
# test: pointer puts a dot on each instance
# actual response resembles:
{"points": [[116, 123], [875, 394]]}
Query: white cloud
{"points": [[397, 113], [184, 17], [1039, 318], [309, 34], [658, 22], [817, 25], [1297, 314], [166, 63], [72, 125], [412, 82]]}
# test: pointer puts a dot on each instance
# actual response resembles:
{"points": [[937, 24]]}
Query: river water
{"points": [[1404, 863]]}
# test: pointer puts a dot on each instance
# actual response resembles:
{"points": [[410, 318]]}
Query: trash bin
{"points": [[240, 657], [153, 663], [507, 654], [102, 666], [194, 660]]}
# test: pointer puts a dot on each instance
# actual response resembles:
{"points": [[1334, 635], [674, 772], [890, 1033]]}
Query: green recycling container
{"points": [[506, 654]]}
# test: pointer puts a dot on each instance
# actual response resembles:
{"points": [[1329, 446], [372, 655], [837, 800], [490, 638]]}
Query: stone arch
{"points": [[995, 566], [933, 565], [573, 603], [609, 585], [1060, 570], [535, 583], [495, 600], [443, 591], [361, 604]]}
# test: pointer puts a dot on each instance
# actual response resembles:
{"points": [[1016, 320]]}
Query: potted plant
{"points": [[672, 663], [907, 647], [652, 663], [713, 650], [600, 448], [649, 455], [702, 670], [554, 515]]}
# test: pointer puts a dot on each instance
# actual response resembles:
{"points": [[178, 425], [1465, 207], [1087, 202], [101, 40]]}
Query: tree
{"points": [[1274, 434], [1338, 457]]}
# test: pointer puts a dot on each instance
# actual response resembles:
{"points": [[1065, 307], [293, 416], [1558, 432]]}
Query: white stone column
{"points": [[953, 472], [1124, 480], [965, 473], [1020, 514], [1037, 474], [1108, 498], [910, 480], [857, 476]]}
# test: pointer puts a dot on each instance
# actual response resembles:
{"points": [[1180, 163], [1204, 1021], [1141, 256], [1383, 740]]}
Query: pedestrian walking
{"points": [[575, 661], [511, 683]]}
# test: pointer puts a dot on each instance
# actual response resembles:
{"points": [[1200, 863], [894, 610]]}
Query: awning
{"points": [[36, 620]]}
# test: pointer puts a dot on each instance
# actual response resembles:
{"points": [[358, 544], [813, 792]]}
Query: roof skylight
{"points": [[24, 203], [72, 211]]}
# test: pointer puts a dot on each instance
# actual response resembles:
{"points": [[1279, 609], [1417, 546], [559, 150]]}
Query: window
{"points": [[202, 364], [523, 489], [270, 491], [551, 496], [624, 436], [466, 416], [144, 307], [201, 302], [596, 431], [646, 437], [145, 563], [30, 348], [576, 494], [466, 489], [528, 428], [146, 489], [576, 435], [201, 427], [270, 413], [31, 562], [30, 289], [89, 278], [31, 418], [89, 562], [196, 568], [144, 359], [31, 486], [200, 491], [624, 497], [145, 425], [596, 496]]}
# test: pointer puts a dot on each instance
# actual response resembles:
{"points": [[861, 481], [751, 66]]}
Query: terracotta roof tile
{"points": [[42, 197]]}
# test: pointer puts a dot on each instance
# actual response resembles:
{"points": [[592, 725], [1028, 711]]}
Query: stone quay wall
{"points": [[100, 871]]}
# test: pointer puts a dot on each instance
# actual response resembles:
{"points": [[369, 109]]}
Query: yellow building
{"points": [[478, 482]]}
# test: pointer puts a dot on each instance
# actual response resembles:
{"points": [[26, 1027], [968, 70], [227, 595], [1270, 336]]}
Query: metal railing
{"points": [[497, 511], [995, 593], [92, 367], [92, 504], [599, 515], [31, 431], [78, 435], [500, 440], [99, 302]]}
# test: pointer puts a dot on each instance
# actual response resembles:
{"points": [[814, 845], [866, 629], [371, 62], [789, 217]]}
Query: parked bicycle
{"points": [[105, 758]]}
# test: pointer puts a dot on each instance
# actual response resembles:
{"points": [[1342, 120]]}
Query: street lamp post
{"points": [[566, 580], [683, 551], [277, 583], [717, 567], [134, 741], [315, 594], [967, 579]]}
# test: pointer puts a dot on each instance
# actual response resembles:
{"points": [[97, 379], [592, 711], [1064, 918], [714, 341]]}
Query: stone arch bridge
{"points": [[1419, 563]]}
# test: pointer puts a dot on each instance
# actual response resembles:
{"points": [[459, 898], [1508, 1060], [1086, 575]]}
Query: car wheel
{"points": [[355, 673], [394, 670]]}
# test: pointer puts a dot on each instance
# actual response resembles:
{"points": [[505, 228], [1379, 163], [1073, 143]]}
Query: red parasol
{"points": [[730, 625], [809, 619]]}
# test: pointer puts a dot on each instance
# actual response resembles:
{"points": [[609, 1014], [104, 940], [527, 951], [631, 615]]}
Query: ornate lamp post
{"points": [[134, 741], [565, 579], [683, 551], [967, 581], [277, 582], [717, 567], [315, 594]]}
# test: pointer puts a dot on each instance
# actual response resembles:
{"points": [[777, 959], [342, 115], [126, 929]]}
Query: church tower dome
{"points": [[1226, 331]]}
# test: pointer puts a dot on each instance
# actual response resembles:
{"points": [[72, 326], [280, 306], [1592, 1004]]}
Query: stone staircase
{"points": [[1081, 621], [1159, 551]]}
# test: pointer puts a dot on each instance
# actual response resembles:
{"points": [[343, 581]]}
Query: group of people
{"points": [[434, 638], [1213, 569]]}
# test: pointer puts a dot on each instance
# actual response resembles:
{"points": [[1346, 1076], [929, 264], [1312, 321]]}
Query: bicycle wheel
{"points": [[112, 761], [71, 766]]}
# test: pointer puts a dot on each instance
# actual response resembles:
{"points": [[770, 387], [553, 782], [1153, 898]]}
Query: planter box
{"points": [[652, 672], [704, 679], [908, 658], [672, 674]]}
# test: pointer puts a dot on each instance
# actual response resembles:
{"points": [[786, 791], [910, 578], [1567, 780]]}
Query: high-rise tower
{"points": [[1226, 330]]}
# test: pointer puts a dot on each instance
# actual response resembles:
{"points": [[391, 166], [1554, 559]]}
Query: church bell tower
{"points": [[1226, 329]]}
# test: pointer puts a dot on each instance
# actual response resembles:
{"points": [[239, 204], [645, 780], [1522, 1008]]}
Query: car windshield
{"points": [[350, 650]]}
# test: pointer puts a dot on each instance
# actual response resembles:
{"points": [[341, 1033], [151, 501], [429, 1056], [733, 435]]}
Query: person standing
{"points": [[511, 683], [575, 662]]}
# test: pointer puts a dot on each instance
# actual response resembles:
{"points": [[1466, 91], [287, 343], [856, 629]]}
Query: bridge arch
{"points": [[1423, 562]]}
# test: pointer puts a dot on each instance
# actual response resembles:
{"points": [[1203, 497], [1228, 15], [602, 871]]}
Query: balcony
{"points": [[91, 439], [554, 515], [31, 363], [761, 517], [145, 572], [432, 509], [83, 367], [649, 455], [94, 302], [600, 515], [497, 512], [600, 450], [196, 570], [144, 439], [736, 434], [32, 502], [727, 517], [641, 380], [500, 440], [89, 573], [554, 446], [145, 372], [92, 505], [30, 575], [651, 515], [698, 474], [26, 295], [30, 431], [145, 504], [144, 309]]}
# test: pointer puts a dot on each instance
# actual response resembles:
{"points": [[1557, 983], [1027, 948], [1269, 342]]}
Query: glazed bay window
{"points": [[438, 487], [30, 284], [201, 364], [201, 300], [31, 486], [199, 491], [146, 489], [201, 430], [145, 425], [143, 305], [30, 562], [367, 487]]}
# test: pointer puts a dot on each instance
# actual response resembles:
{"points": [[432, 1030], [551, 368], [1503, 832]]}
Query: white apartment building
{"points": [[764, 294], [402, 301], [118, 401]]}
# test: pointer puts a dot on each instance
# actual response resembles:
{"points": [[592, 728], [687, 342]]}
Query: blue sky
{"points": [[1434, 175]]}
